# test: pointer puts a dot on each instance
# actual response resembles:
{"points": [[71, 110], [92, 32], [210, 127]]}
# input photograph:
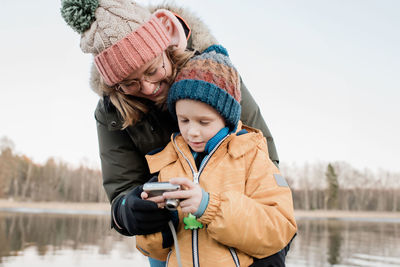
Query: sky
{"points": [[324, 73]]}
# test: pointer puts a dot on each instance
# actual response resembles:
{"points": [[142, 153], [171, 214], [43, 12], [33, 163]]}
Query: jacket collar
{"points": [[157, 161], [235, 145]]}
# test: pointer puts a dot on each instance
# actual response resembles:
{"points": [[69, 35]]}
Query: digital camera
{"points": [[157, 189]]}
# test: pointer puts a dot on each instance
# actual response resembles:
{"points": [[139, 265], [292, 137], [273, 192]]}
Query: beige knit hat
{"points": [[121, 34]]}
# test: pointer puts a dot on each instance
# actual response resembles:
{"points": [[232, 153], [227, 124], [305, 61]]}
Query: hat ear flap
{"points": [[173, 27]]}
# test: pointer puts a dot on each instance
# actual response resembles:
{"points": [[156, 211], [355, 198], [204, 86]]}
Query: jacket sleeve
{"points": [[260, 221], [123, 167], [251, 116]]}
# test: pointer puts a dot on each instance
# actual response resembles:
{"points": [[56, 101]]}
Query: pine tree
{"points": [[332, 190]]}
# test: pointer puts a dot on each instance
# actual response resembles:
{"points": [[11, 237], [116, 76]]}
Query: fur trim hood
{"points": [[201, 39]]}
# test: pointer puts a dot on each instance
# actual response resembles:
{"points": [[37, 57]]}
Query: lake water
{"points": [[29, 239]]}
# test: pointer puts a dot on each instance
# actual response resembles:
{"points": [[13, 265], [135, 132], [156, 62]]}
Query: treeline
{"points": [[315, 186], [339, 186], [23, 179]]}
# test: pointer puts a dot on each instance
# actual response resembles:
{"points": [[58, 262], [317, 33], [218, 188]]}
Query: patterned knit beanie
{"points": [[210, 78], [121, 34]]}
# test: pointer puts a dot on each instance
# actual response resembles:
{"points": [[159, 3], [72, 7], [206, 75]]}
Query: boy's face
{"points": [[198, 122]]}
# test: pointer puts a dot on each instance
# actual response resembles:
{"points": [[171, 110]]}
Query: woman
{"points": [[138, 52]]}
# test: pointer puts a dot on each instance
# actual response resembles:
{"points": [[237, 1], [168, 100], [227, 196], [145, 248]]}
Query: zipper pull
{"points": [[196, 177]]}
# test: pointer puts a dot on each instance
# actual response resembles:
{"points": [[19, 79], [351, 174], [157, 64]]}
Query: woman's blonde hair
{"points": [[133, 108]]}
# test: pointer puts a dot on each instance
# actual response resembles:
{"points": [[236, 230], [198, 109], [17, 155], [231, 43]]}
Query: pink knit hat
{"points": [[121, 34], [133, 51]]}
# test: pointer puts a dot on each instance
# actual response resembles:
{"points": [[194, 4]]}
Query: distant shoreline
{"points": [[348, 215], [104, 209], [67, 208]]}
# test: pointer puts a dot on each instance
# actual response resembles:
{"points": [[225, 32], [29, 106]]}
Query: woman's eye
{"points": [[204, 122], [151, 72], [130, 83], [183, 120]]}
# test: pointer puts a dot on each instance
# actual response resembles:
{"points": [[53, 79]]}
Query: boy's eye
{"points": [[204, 122], [183, 120]]}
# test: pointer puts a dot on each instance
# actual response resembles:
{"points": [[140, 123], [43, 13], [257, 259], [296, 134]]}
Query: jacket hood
{"points": [[201, 35], [201, 38], [241, 144]]}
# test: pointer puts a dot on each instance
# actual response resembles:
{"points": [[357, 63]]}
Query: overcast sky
{"points": [[326, 75]]}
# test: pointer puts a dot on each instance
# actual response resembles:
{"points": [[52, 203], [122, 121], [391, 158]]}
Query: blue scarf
{"points": [[212, 142]]}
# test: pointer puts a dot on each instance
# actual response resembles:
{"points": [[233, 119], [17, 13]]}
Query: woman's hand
{"points": [[190, 196]]}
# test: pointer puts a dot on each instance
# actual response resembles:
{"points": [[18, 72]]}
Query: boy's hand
{"points": [[160, 200], [190, 196]]}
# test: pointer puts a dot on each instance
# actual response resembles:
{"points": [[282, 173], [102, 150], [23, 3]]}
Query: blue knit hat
{"points": [[210, 78]]}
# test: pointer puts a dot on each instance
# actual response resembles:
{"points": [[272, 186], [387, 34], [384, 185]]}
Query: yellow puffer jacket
{"points": [[250, 210]]}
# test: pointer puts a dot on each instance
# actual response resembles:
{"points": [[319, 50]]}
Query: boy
{"points": [[235, 206]]}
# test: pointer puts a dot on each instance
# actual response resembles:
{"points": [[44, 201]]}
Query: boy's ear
{"points": [[174, 28]]}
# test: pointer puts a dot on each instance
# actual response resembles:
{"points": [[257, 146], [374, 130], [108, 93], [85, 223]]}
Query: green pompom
{"points": [[79, 14]]}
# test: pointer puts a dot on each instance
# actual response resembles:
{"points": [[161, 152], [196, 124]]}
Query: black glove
{"points": [[276, 260], [135, 216]]}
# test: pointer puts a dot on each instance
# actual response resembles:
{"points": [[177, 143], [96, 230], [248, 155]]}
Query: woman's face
{"points": [[151, 81]]}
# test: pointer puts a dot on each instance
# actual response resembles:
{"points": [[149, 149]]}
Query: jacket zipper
{"points": [[196, 178], [167, 261], [195, 248], [234, 256]]}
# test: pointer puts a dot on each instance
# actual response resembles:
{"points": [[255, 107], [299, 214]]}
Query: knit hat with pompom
{"points": [[122, 35]]}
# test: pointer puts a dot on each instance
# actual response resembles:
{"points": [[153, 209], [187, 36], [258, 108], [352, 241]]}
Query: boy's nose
{"points": [[193, 131]]}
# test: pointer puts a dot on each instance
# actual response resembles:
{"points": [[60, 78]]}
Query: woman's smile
{"points": [[157, 89]]}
